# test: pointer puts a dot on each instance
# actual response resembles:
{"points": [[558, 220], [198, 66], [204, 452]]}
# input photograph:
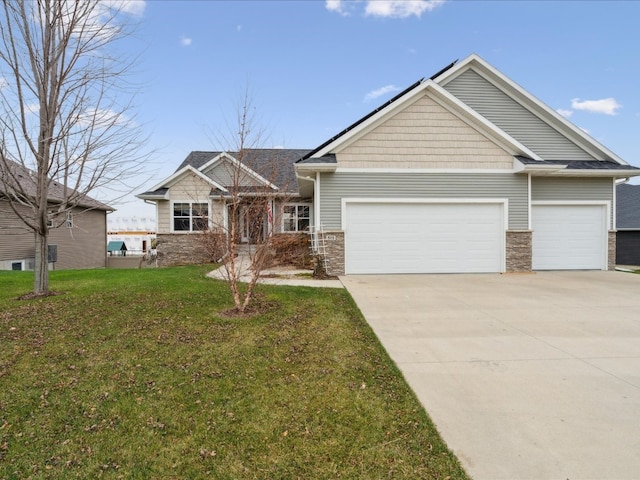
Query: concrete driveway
{"points": [[527, 376]]}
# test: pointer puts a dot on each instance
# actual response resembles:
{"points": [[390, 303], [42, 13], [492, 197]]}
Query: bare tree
{"points": [[64, 111], [251, 206]]}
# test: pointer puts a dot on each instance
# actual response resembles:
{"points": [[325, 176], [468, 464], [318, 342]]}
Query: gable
{"points": [[512, 117], [224, 173], [424, 134], [190, 187]]}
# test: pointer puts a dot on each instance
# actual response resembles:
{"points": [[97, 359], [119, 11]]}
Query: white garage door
{"points": [[569, 237], [424, 238]]}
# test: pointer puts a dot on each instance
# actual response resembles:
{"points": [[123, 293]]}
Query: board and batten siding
{"points": [[336, 186], [502, 110], [424, 135]]}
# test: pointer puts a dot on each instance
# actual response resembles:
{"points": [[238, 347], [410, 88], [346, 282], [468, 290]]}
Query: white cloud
{"points": [[380, 92], [384, 8], [337, 6], [565, 113], [3, 83], [400, 8], [131, 7], [608, 106], [186, 41]]}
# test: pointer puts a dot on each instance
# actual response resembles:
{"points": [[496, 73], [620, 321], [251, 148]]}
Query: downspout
{"points": [[316, 205]]}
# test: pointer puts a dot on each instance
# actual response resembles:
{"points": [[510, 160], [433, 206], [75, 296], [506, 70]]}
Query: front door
{"points": [[251, 224]]}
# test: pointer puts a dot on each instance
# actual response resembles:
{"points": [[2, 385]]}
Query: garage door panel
{"points": [[569, 237], [423, 238]]}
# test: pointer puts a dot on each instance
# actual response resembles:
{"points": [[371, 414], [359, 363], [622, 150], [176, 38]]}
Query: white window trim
{"points": [[295, 204], [190, 202]]}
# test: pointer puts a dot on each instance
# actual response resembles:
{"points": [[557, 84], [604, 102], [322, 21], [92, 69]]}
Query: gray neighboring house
{"points": [[462, 172], [628, 224], [81, 242]]}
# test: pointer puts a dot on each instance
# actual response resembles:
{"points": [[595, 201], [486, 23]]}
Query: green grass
{"points": [[136, 374]]}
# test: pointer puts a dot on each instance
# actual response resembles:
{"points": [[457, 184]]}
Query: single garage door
{"points": [[569, 237], [424, 237]]}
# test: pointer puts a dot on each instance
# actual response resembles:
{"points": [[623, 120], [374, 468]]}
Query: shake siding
{"points": [[164, 216], [190, 189], [84, 245], [17, 242], [335, 186], [513, 118], [424, 135]]}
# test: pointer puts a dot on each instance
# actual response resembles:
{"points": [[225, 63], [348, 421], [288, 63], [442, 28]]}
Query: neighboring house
{"points": [[628, 224], [80, 242], [196, 197], [463, 172], [138, 233]]}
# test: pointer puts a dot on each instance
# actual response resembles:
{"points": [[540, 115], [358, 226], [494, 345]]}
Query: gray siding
{"points": [[335, 186], [572, 189], [84, 245], [513, 118], [226, 174], [576, 188], [16, 241]]}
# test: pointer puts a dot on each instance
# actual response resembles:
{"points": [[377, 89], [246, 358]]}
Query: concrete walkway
{"points": [[277, 276], [530, 376]]}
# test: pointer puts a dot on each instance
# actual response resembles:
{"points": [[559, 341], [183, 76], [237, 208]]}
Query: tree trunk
{"points": [[41, 277]]}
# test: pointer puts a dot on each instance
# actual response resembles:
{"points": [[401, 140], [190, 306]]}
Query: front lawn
{"points": [[136, 374]]}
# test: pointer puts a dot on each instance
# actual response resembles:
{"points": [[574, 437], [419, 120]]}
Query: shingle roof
{"points": [[579, 164], [27, 185], [273, 164], [628, 206], [309, 154]]}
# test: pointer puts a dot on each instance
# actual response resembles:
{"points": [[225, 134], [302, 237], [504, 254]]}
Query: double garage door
{"points": [[386, 237], [424, 237]]}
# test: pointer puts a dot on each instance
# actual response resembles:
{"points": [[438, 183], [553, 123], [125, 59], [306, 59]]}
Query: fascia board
{"points": [[480, 123], [215, 160], [168, 182], [245, 169], [349, 137], [447, 100], [315, 167], [529, 101]]}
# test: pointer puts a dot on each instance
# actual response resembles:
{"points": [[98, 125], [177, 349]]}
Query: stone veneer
{"points": [[334, 243], [180, 249], [519, 251], [612, 250]]}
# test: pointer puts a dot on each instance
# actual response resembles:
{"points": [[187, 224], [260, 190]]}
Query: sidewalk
{"points": [[277, 276]]}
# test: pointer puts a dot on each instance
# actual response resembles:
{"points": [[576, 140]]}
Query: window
{"points": [[295, 218], [69, 220], [190, 217]]}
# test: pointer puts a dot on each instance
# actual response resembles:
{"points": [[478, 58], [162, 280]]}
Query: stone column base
{"points": [[519, 250]]}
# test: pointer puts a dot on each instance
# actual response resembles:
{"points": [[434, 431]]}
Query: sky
{"points": [[314, 67]]}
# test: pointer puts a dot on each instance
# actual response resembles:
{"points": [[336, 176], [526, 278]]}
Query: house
{"points": [[628, 224], [461, 172], [80, 242], [139, 233], [197, 196], [117, 248]]}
